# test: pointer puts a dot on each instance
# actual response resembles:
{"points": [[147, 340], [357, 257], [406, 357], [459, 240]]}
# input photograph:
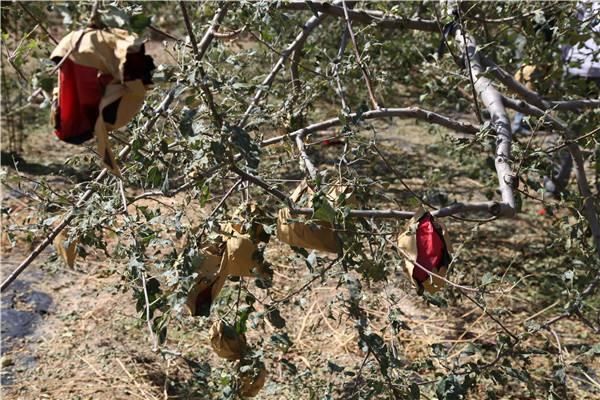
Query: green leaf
{"points": [[242, 318], [323, 210], [487, 278], [139, 22], [435, 299]]}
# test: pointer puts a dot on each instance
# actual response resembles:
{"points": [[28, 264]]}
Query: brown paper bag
{"points": [[226, 342], [67, 251], [107, 51], [208, 285], [240, 257], [252, 381], [317, 235], [337, 190]]}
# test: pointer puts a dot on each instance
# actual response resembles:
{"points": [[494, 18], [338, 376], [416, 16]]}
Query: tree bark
{"points": [[492, 100]]}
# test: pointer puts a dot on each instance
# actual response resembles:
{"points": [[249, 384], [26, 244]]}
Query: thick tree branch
{"points": [[491, 207], [469, 68], [574, 105], [510, 82], [589, 208], [210, 33], [533, 97], [492, 100]]}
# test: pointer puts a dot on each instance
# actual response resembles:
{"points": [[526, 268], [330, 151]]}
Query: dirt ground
{"points": [[75, 333]]}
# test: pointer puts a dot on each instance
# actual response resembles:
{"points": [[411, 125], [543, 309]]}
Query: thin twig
{"points": [[336, 68], [199, 53], [168, 35], [306, 285], [570, 141], [361, 64], [148, 320], [449, 282], [308, 27], [37, 21], [366, 17], [422, 201], [123, 197], [262, 184], [395, 172], [218, 206], [496, 320], [281, 54], [135, 382], [558, 346]]}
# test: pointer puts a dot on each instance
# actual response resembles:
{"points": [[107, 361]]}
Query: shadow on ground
{"points": [[17, 162], [22, 310]]}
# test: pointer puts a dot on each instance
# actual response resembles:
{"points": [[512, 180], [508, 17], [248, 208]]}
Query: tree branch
{"points": [[361, 64], [469, 69], [336, 73], [589, 208], [209, 35], [379, 18], [308, 165], [492, 207], [262, 184], [37, 21], [408, 112], [507, 79], [308, 27], [574, 105], [492, 100], [199, 53]]}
